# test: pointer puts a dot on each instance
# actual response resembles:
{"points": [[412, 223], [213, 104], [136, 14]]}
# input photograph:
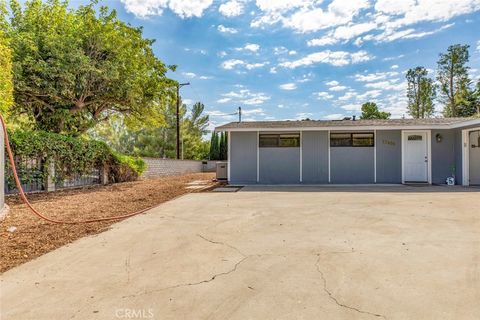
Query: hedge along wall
{"points": [[39, 153], [2, 175], [6, 99]]}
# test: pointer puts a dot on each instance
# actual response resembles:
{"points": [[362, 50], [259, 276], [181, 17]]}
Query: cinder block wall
{"points": [[157, 167]]}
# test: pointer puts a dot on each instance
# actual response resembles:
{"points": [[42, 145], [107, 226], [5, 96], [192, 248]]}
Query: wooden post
{"points": [[51, 176], [104, 174]]}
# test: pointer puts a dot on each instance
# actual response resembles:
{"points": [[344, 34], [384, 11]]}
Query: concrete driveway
{"points": [[276, 253]]}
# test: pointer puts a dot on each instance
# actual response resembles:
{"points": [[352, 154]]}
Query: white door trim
{"points": [[429, 153], [328, 144], [301, 155], [466, 155], [258, 156], [375, 156], [228, 155]]}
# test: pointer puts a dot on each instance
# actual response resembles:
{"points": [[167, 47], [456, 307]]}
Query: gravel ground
{"points": [[34, 236]]}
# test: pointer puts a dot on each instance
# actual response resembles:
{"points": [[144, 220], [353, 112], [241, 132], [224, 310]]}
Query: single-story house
{"points": [[353, 151]]}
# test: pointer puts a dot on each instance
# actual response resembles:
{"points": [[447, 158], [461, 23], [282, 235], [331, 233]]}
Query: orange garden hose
{"points": [[39, 214]]}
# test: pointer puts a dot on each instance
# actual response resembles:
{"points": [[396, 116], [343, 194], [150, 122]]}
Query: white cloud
{"points": [[409, 12], [251, 66], [352, 107], [233, 63], [369, 94], [189, 74], [288, 86], [193, 75], [411, 33], [334, 116], [375, 76], [323, 95], [303, 115], [273, 70], [348, 95], [224, 100], [224, 29], [335, 58], [222, 54], [231, 8], [247, 97], [393, 58], [251, 47], [230, 64], [183, 8], [279, 50], [387, 85], [478, 45], [388, 20], [343, 33], [332, 83], [337, 13], [306, 77], [337, 88], [323, 41], [394, 67]]}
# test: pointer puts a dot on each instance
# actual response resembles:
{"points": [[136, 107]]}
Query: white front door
{"points": [[474, 152], [416, 156]]}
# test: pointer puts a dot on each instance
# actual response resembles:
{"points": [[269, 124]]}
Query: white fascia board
{"points": [[361, 128]]}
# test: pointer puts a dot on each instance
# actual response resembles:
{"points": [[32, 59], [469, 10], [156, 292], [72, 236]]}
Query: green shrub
{"points": [[125, 168]]}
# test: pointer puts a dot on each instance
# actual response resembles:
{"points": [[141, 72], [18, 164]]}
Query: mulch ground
{"points": [[34, 236]]}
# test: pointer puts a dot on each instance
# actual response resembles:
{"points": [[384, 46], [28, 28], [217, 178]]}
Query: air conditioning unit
{"points": [[222, 170]]}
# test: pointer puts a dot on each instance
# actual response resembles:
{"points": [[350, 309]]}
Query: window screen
{"points": [[279, 140], [350, 139]]}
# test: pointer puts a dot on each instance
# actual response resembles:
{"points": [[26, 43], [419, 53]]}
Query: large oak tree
{"points": [[74, 68]]}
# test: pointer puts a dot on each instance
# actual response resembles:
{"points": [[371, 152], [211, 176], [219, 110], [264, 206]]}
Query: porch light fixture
{"points": [[438, 137]]}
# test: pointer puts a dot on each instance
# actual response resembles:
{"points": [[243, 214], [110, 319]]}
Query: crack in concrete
{"points": [[245, 257], [222, 243], [334, 299], [188, 284]]}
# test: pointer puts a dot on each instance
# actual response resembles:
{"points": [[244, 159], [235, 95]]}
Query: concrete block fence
{"points": [[158, 167]]}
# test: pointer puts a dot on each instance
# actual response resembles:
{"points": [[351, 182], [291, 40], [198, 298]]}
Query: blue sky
{"points": [[291, 59]]}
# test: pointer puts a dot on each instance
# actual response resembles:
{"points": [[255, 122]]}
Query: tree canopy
{"points": [[74, 68], [6, 86], [420, 93], [159, 141], [370, 111], [452, 74]]}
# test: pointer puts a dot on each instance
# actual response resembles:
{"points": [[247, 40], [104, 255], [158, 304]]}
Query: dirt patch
{"points": [[34, 237]]}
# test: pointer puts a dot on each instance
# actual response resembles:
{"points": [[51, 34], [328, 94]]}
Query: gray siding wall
{"points": [[315, 156], [444, 156], [279, 165], [389, 156], [352, 164], [243, 157]]}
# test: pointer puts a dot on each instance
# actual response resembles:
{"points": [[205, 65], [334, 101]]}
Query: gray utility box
{"points": [[222, 170]]}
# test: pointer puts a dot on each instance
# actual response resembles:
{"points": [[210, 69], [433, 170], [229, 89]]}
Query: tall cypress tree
{"points": [[213, 146], [225, 155]]}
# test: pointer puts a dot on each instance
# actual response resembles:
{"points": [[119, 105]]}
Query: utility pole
{"points": [[239, 114], [178, 116]]}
